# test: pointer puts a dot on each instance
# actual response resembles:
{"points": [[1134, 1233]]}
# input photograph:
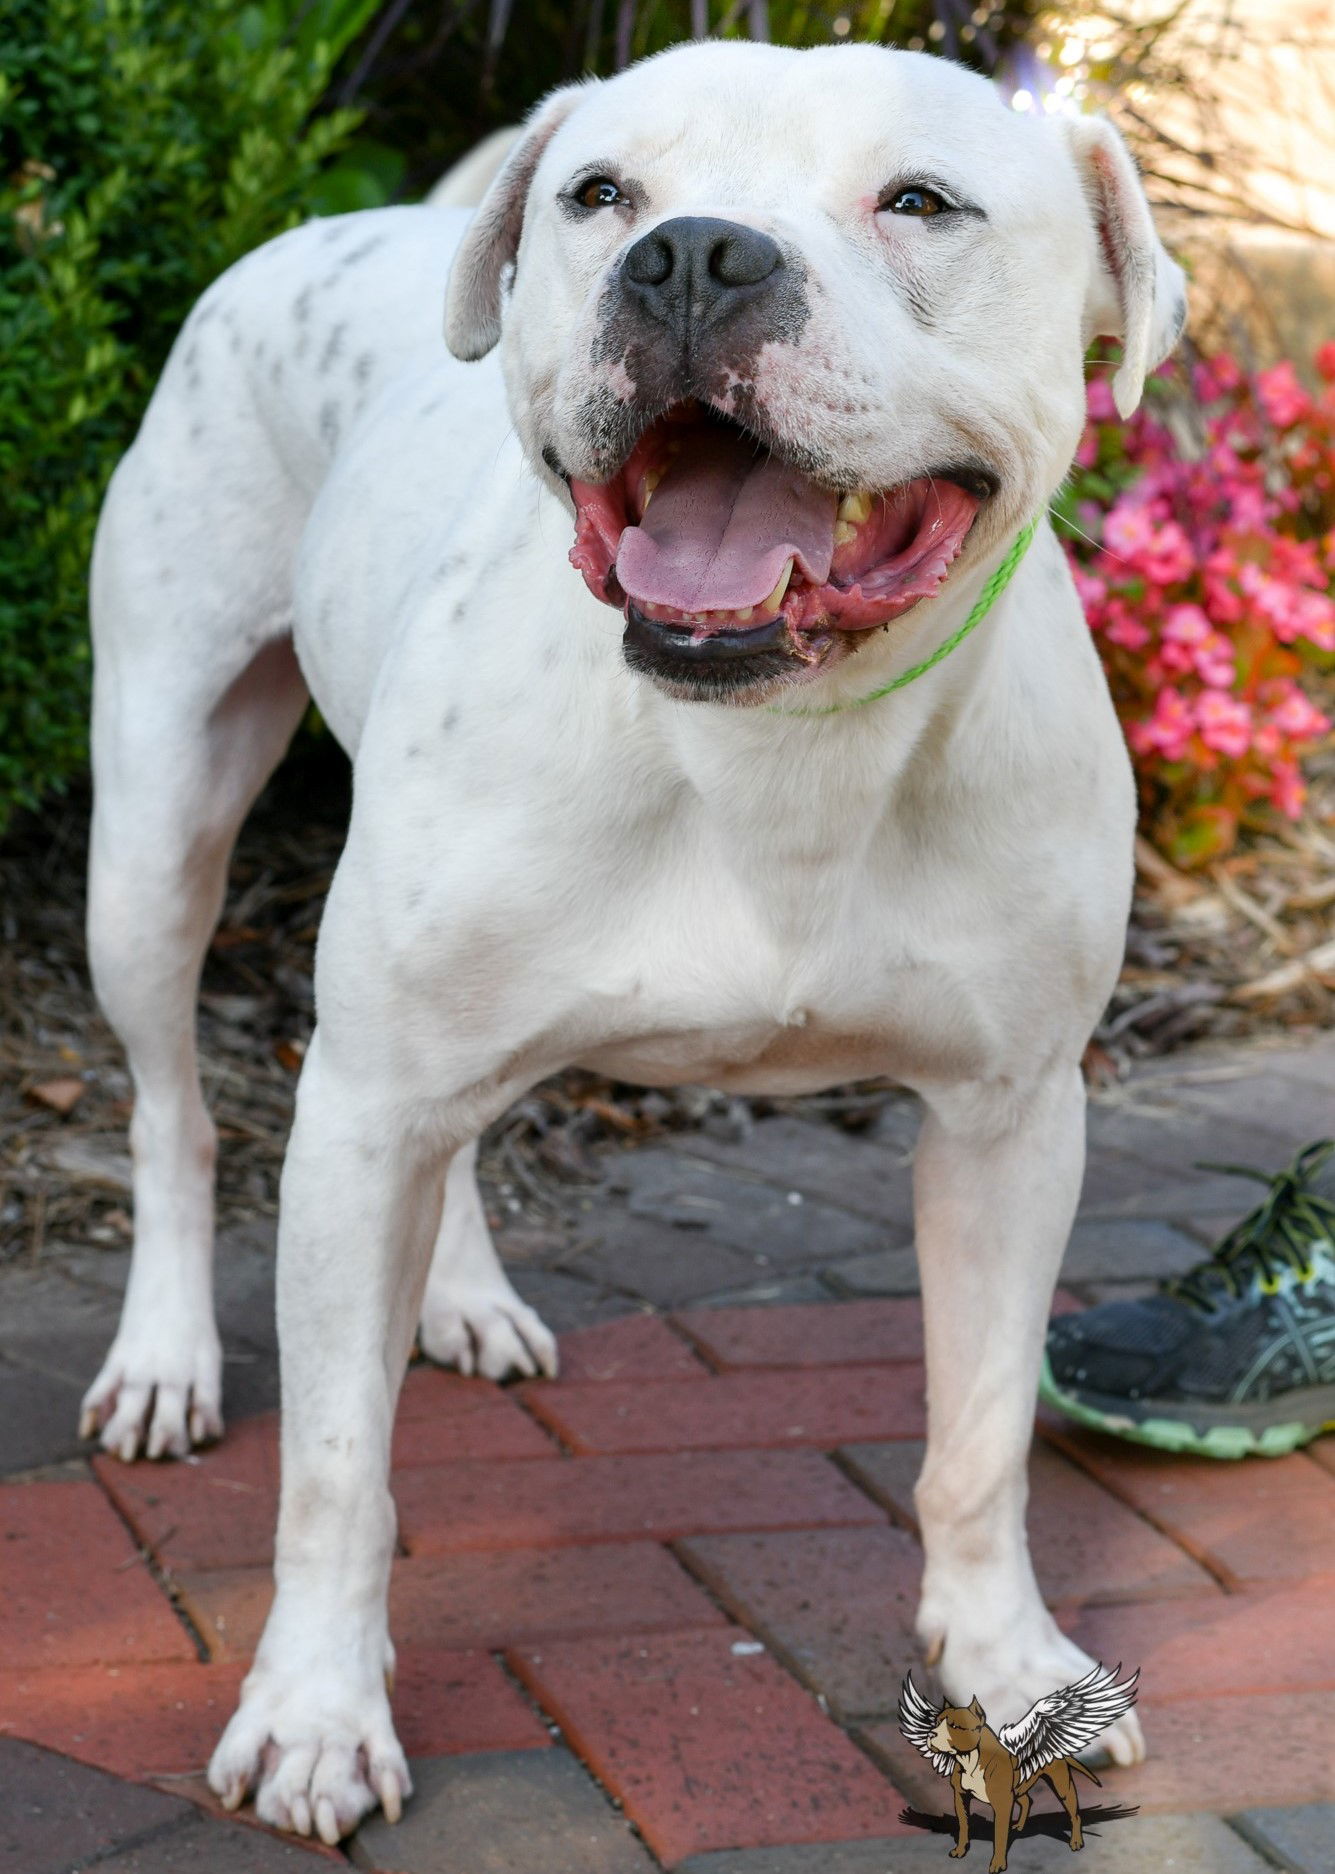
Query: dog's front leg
{"points": [[361, 1200], [996, 1183], [961, 1847]]}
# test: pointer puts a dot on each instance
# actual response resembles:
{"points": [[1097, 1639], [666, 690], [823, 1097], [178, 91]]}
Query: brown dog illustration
{"points": [[1001, 1767]]}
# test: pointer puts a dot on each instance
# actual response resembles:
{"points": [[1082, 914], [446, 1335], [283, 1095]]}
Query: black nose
{"points": [[693, 271]]}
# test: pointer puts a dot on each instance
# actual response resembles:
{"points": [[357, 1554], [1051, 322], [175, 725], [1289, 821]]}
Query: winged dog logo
{"points": [[1001, 1767]]}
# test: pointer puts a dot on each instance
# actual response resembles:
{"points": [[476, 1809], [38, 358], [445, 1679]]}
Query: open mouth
{"points": [[712, 542]]}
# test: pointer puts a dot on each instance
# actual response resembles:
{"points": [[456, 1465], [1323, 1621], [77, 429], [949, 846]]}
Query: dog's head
{"points": [[958, 1729], [802, 335]]}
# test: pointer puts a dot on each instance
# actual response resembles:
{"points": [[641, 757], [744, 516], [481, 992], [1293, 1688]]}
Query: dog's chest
{"points": [[778, 980], [971, 1776]]}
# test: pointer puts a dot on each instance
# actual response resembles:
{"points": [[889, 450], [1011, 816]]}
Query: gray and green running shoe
{"points": [[1234, 1359]]}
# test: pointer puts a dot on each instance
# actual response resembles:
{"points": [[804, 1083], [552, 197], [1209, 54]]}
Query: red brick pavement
{"points": [[618, 1538]]}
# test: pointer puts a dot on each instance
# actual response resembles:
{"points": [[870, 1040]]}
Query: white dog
{"points": [[826, 311]]}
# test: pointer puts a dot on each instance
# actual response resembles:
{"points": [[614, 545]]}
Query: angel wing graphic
{"points": [[918, 1720], [1064, 1722]]}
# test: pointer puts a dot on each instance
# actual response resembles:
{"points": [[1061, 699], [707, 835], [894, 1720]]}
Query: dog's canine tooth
{"points": [[855, 509], [771, 605], [844, 532]]}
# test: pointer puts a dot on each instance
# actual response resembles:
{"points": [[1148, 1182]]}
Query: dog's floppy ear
{"points": [[1139, 292], [473, 298]]}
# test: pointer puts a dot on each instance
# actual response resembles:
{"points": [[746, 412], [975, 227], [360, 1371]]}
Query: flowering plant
{"points": [[1202, 540]]}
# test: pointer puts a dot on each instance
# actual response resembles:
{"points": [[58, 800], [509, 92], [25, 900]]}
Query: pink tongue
{"points": [[722, 523]]}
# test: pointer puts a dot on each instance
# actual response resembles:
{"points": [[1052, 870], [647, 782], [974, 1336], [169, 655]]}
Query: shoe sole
{"points": [[1266, 1430]]}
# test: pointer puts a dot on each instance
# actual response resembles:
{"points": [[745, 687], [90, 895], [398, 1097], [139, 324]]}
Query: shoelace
{"points": [[1282, 1231]]}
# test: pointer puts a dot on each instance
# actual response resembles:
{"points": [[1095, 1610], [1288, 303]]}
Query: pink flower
{"points": [[1157, 549], [1217, 377], [1286, 788], [1297, 718], [1281, 396], [1099, 401], [1125, 630], [1090, 587], [1168, 731], [1186, 624], [1225, 723]]}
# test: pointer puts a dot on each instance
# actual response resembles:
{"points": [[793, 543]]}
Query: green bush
{"points": [[144, 146]]}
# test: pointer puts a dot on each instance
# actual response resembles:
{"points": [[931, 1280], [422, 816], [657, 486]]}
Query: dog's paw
{"points": [[1010, 1668], [317, 1757], [487, 1331], [156, 1399]]}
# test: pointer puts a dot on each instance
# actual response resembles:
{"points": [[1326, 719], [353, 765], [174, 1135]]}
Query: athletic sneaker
{"points": [[1236, 1358]]}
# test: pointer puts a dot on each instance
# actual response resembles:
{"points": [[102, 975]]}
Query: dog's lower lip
{"points": [[719, 647]]}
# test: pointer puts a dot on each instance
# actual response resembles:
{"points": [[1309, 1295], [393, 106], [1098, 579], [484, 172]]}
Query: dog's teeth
{"points": [[855, 509], [746, 614], [771, 605], [651, 482], [844, 532]]}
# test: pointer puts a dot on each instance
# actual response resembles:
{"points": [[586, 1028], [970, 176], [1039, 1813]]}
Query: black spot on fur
{"points": [[329, 422], [301, 306], [449, 721], [355, 254], [362, 367], [332, 347]]}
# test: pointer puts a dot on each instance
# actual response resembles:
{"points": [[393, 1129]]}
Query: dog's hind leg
{"points": [[1062, 1781], [996, 1182], [472, 1318], [196, 695]]}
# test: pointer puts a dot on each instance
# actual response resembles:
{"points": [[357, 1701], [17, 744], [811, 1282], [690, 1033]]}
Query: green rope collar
{"points": [[987, 598]]}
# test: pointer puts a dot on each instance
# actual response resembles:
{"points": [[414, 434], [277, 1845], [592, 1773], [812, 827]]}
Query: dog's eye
{"points": [[599, 192], [917, 201]]}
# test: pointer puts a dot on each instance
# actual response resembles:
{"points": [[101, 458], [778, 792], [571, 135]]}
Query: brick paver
{"points": [[200, 1847], [138, 1721], [533, 1814], [823, 1407], [696, 1550], [642, 1346], [1087, 1545], [1233, 1753], [215, 1510], [708, 1743], [443, 1417], [848, 1333], [1300, 1839], [482, 1599], [821, 1334], [837, 1605], [1188, 1844], [1252, 1521], [1275, 1638], [75, 1592], [54, 1813], [611, 1499]]}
